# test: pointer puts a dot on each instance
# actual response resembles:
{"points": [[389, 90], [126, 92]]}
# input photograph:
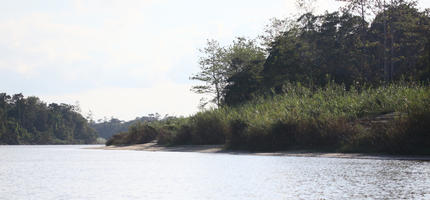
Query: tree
{"points": [[245, 61], [212, 72], [400, 34], [316, 50], [231, 72], [363, 8]]}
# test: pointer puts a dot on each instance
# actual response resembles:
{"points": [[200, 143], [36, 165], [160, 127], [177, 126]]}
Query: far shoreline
{"points": [[154, 147]]}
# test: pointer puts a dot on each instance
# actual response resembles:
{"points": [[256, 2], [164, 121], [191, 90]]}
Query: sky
{"points": [[122, 58]]}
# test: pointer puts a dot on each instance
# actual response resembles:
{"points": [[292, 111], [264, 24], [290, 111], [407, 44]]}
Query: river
{"points": [[72, 172]]}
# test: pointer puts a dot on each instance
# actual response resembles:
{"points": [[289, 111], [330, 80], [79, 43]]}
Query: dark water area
{"points": [[71, 172]]}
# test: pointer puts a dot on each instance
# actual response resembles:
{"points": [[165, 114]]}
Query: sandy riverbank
{"points": [[219, 149], [155, 147]]}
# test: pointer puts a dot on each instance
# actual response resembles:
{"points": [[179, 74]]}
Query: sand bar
{"points": [[219, 149]]}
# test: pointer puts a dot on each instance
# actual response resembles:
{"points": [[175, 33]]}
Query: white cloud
{"points": [[124, 41]]}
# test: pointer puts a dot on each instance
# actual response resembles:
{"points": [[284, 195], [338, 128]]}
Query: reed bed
{"points": [[332, 118]]}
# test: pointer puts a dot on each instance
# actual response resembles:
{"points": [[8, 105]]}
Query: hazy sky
{"points": [[121, 58]]}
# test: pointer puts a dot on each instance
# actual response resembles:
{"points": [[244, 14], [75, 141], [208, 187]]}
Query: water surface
{"points": [[71, 172]]}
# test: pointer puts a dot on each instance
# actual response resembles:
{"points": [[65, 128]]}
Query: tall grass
{"points": [[325, 119]]}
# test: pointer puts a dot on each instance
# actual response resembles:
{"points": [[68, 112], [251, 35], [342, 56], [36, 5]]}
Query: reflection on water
{"points": [[70, 172]]}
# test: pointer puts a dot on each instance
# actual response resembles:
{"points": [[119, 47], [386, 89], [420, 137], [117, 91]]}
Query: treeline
{"points": [[31, 121], [317, 49], [107, 128], [336, 82]]}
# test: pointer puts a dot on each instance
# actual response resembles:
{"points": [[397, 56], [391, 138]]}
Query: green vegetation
{"points": [[314, 50], [331, 82], [31, 121], [138, 133], [329, 119], [107, 128]]}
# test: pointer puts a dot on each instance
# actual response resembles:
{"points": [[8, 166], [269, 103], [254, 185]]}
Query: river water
{"points": [[71, 172]]}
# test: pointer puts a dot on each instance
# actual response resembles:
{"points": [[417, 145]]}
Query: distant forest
{"points": [[31, 121], [107, 128]]}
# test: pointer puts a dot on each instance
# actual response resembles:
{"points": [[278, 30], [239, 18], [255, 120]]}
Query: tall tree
{"points": [[244, 61], [363, 8], [212, 72], [400, 33]]}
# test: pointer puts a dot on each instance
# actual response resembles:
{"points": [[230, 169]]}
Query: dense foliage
{"points": [[391, 119], [107, 128], [31, 121], [317, 49], [138, 133]]}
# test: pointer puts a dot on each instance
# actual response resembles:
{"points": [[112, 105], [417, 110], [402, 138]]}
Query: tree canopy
{"points": [[368, 42], [31, 121], [107, 128]]}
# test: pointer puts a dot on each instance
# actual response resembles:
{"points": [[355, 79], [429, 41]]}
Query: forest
{"points": [[31, 121], [338, 47], [354, 80], [106, 128]]}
